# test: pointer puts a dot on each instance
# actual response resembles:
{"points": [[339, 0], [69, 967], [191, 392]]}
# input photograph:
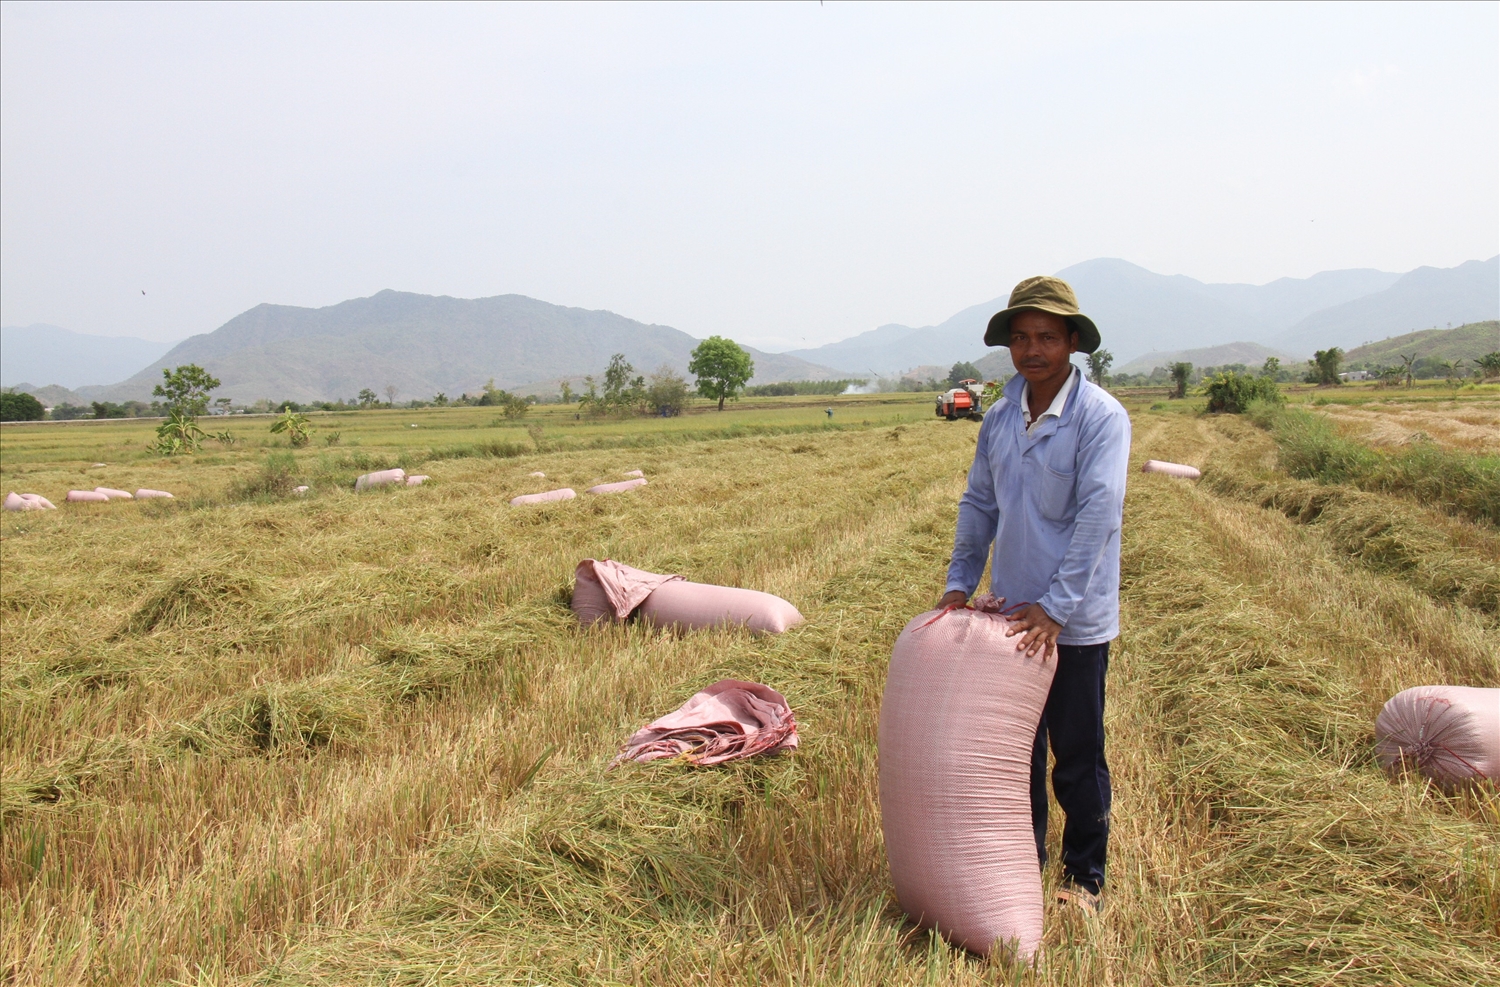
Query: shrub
{"points": [[1233, 393], [17, 406], [277, 476]]}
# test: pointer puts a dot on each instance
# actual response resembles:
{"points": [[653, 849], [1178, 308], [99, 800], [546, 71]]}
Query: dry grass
{"points": [[1472, 426], [358, 739]]}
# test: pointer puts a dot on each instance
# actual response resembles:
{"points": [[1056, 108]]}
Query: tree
{"points": [[722, 368], [1323, 368], [367, 398], [963, 370], [295, 426], [1099, 362], [178, 435], [1271, 369], [567, 392], [440, 399], [390, 395], [1405, 371], [1489, 365], [223, 405], [186, 389], [668, 393], [1233, 392], [18, 406], [1180, 374]]}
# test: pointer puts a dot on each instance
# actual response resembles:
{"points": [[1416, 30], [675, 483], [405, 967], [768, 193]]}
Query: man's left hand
{"points": [[1041, 631]]}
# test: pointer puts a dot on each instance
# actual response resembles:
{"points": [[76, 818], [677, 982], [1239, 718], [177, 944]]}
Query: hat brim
{"points": [[998, 331]]}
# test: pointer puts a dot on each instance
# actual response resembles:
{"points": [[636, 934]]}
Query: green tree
{"points": [[567, 392], [1099, 362], [186, 389], [295, 426], [1271, 369], [18, 406], [368, 398], [178, 435], [1489, 365], [722, 368], [667, 394], [963, 370], [1323, 368], [440, 399], [1181, 372]]}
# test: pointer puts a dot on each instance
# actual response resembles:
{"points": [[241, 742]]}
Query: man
{"points": [[1047, 488]]}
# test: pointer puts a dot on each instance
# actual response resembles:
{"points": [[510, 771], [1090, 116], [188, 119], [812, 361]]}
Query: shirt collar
{"points": [[1055, 409]]}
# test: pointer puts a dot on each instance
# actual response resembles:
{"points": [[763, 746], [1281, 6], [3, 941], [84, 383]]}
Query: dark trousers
{"points": [[1073, 722]]}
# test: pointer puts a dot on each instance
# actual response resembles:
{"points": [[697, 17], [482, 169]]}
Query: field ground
{"points": [[357, 739]]}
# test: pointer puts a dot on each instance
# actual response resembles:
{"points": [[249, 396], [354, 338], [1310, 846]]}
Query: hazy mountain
{"points": [[72, 359], [1428, 297], [52, 395], [1469, 342], [1250, 354], [422, 345], [1137, 312]]}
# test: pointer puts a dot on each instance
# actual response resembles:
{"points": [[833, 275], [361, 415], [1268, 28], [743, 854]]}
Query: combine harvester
{"points": [[961, 402]]}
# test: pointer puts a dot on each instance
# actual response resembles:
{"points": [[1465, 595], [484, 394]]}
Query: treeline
{"points": [[791, 388]]}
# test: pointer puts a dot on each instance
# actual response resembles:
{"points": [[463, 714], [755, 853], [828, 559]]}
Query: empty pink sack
{"points": [[145, 494], [380, 478], [1450, 733], [957, 722], [636, 473], [1171, 469], [27, 502], [693, 606], [87, 497], [114, 494], [605, 589], [727, 721], [566, 493], [621, 487], [417, 481]]}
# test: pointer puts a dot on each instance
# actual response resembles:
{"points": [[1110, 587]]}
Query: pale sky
{"points": [[784, 174]]}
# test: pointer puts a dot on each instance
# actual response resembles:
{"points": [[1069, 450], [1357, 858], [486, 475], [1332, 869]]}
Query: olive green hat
{"points": [[1044, 294]]}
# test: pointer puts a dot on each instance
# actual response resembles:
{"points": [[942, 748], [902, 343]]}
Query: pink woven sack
{"points": [[957, 722], [609, 589], [727, 721], [694, 606], [418, 480], [380, 478], [635, 473], [1171, 469], [25, 502], [87, 497], [1450, 733], [621, 487], [566, 493], [114, 494], [146, 494]]}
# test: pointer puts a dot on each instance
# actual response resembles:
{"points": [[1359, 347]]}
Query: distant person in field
{"points": [[1047, 490]]}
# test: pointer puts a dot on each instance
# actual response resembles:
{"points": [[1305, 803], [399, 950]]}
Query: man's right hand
{"points": [[953, 598]]}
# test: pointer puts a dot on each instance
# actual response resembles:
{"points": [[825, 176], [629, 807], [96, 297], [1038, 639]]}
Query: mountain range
{"points": [[1144, 316], [421, 345]]}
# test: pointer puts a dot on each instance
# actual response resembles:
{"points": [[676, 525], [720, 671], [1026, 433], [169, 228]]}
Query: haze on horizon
{"points": [[785, 174]]}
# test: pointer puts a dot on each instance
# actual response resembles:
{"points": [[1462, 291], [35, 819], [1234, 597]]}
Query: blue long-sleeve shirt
{"points": [[1051, 503]]}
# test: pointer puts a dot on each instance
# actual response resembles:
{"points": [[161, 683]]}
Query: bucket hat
{"points": [[1044, 294]]}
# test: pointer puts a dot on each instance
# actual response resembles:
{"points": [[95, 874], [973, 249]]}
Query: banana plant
{"points": [[179, 434], [295, 426]]}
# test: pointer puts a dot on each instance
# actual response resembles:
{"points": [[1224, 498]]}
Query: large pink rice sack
{"points": [[114, 494], [957, 722], [566, 493], [147, 494], [380, 478], [1451, 733], [693, 606], [621, 487], [87, 497], [604, 588], [1171, 469]]}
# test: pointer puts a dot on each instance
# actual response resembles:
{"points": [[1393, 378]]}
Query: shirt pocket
{"points": [[1056, 494]]}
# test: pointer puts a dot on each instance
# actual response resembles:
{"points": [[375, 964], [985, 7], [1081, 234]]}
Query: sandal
{"points": [[1071, 894]]}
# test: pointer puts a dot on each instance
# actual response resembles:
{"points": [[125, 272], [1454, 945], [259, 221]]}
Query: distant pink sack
{"points": [[635, 473], [25, 502], [957, 723], [727, 721], [380, 478], [698, 605], [605, 588], [87, 497], [417, 481], [114, 494], [566, 493], [538, 474], [39, 501], [1451, 733], [1171, 469], [145, 494], [621, 487]]}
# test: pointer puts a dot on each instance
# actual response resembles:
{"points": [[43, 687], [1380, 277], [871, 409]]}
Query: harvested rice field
{"points": [[254, 738]]}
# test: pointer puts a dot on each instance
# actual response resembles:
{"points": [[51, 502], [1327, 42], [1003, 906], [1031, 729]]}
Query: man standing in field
{"points": [[1047, 488]]}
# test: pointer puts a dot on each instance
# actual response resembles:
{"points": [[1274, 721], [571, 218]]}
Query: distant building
{"points": [[1356, 375]]}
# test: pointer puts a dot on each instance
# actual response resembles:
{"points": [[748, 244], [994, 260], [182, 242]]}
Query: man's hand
{"points": [[1041, 630], [953, 598]]}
